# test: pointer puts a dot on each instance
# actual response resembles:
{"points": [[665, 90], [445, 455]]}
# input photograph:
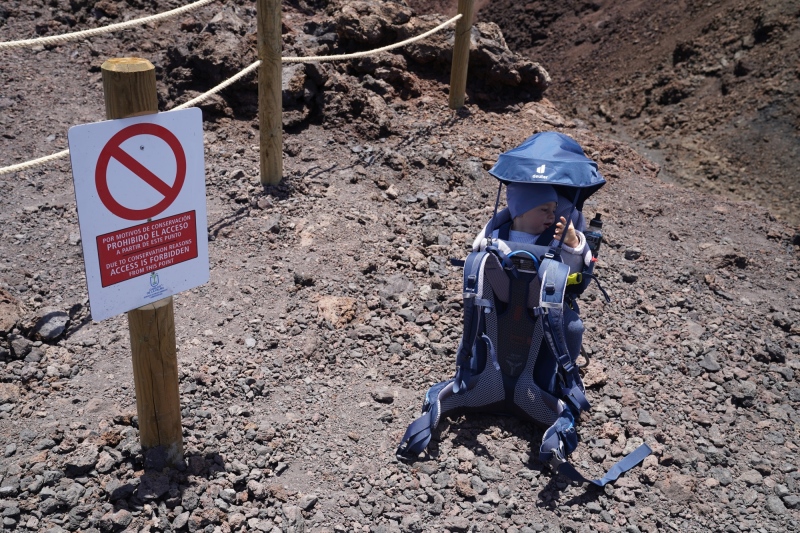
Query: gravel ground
{"points": [[332, 307]]}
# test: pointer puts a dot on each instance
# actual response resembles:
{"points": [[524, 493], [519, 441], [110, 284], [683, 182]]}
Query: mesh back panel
{"points": [[486, 389], [488, 385], [514, 332], [528, 396]]}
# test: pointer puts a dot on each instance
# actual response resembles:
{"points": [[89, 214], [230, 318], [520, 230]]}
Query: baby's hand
{"points": [[571, 239]]}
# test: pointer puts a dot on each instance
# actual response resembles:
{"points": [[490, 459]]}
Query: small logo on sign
{"points": [[156, 288]]}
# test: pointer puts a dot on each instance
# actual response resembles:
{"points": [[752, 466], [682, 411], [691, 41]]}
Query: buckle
{"points": [[557, 457]]}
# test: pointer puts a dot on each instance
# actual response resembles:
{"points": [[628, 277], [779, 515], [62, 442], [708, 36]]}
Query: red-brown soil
{"points": [[332, 305]]}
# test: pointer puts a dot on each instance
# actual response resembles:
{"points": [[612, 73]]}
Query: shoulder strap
{"points": [[504, 230], [547, 236], [472, 308], [561, 438], [554, 276]]}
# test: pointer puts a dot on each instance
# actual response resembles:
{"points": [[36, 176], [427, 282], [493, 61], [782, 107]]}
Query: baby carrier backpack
{"points": [[521, 331]]}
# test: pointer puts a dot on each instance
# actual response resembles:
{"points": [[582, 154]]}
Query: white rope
{"points": [[233, 79], [33, 163], [219, 87], [314, 59], [105, 29]]}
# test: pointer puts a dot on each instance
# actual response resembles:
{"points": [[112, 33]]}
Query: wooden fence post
{"points": [[129, 87], [270, 104], [458, 72]]}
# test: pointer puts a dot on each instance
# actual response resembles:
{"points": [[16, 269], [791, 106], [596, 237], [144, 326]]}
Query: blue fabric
{"points": [[419, 432], [576, 397], [472, 322], [574, 332], [560, 440], [624, 464], [522, 197], [522, 237], [550, 158], [416, 438]]}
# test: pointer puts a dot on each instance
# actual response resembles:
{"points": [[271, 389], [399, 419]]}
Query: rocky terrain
{"points": [[332, 305], [708, 89]]}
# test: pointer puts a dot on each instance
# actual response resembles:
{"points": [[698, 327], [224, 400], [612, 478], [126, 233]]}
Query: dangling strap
{"points": [[590, 276], [557, 250], [418, 434], [561, 439], [416, 438], [622, 466], [547, 236]]}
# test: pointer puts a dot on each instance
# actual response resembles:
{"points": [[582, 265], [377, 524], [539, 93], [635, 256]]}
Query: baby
{"points": [[533, 208]]}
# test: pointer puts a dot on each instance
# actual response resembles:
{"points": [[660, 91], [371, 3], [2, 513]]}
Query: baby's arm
{"points": [[572, 240]]}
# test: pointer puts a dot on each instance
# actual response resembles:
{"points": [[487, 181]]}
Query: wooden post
{"points": [[129, 86], [458, 72], [270, 104], [155, 375]]}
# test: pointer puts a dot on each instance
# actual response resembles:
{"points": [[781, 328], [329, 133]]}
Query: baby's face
{"points": [[538, 219]]}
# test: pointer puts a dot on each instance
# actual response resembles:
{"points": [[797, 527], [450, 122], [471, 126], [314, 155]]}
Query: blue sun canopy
{"points": [[552, 158]]}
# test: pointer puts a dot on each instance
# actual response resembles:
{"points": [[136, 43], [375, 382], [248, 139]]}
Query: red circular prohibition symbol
{"points": [[113, 149]]}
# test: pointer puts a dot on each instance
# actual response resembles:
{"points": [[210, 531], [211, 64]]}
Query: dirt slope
{"points": [[332, 306], [709, 89]]}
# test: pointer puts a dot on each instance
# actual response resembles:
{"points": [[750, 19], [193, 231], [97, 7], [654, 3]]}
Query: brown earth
{"points": [[710, 90], [332, 306]]}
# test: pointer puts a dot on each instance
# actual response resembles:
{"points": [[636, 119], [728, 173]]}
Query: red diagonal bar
{"points": [[140, 170]]}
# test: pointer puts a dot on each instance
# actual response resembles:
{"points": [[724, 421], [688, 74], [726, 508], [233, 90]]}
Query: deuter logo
{"points": [[540, 173]]}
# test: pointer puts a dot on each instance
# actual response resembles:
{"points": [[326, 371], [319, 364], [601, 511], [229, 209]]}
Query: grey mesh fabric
{"points": [[486, 390], [538, 404]]}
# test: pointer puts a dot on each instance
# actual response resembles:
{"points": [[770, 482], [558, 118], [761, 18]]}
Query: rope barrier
{"points": [[97, 31], [221, 86], [419, 37], [33, 162], [233, 79]]}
